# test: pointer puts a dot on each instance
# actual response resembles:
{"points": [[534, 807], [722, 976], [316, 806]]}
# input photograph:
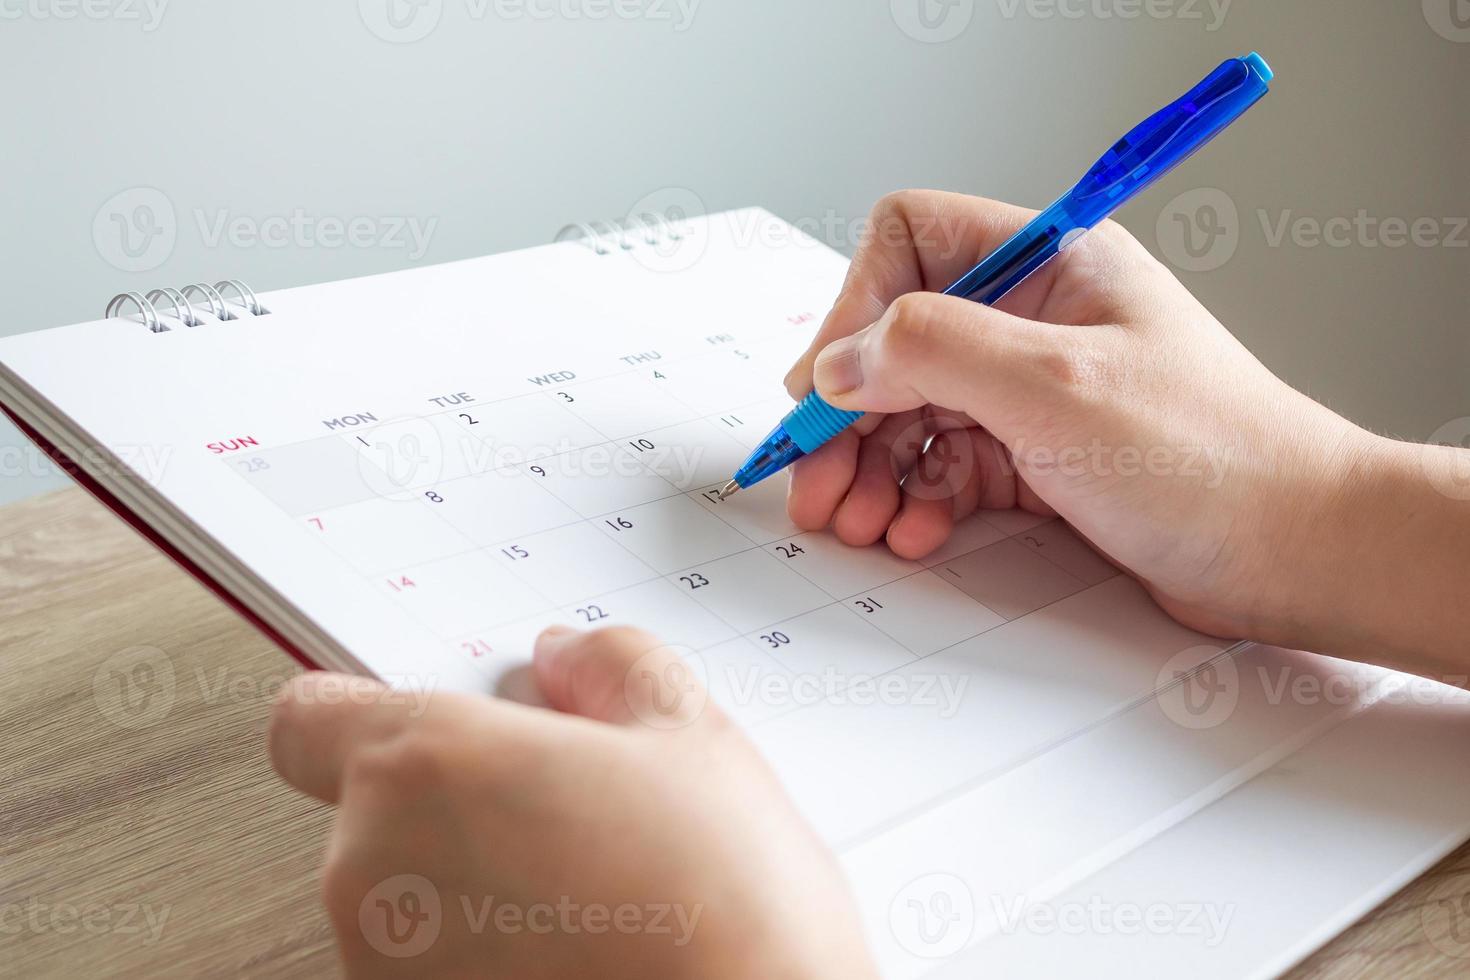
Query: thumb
{"points": [[620, 675], [929, 348]]}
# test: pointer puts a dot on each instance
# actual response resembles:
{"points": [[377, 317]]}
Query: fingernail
{"points": [[553, 638], [839, 368]]}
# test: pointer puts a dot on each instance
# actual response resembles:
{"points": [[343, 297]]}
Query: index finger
{"points": [[914, 241]]}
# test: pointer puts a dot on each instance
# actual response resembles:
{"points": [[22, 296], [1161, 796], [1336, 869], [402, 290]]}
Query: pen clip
{"points": [[1167, 136]]}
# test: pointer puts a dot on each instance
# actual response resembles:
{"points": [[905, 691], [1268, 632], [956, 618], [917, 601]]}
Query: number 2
{"points": [[592, 613]]}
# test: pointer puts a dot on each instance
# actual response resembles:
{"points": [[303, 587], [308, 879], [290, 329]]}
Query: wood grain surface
{"points": [[144, 834]]}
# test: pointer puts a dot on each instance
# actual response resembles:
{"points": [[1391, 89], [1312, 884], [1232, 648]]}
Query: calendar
{"points": [[412, 475]]}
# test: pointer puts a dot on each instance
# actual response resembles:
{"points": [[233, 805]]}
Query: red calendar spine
{"points": [[112, 503]]}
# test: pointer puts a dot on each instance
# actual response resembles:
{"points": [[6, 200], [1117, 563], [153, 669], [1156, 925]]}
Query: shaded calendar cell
{"points": [[672, 534], [838, 569], [759, 513], [655, 606], [572, 563], [625, 405], [690, 455], [307, 477], [378, 535], [404, 455], [463, 593], [600, 479], [834, 644], [970, 534], [713, 382], [1060, 545], [496, 649], [1009, 578], [924, 613], [750, 590], [499, 505], [747, 683], [524, 428], [1012, 522]]}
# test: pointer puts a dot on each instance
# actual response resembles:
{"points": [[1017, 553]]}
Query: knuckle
{"points": [[888, 223], [897, 202], [1074, 367], [909, 328], [410, 762]]}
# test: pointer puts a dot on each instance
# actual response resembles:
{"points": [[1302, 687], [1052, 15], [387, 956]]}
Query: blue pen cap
{"points": [[1260, 66]]}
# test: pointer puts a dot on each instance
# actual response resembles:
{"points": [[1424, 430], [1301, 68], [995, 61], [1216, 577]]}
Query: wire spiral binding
{"points": [[183, 311], [607, 237]]}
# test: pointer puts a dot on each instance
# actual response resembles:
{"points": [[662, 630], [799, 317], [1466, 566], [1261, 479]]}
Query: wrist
{"points": [[1376, 557]]}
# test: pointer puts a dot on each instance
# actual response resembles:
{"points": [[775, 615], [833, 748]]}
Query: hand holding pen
{"points": [[1150, 150]]}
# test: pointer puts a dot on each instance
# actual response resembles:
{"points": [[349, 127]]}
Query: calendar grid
{"points": [[553, 605]]}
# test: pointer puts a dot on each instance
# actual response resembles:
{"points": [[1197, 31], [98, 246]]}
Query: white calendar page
{"points": [[413, 474]]}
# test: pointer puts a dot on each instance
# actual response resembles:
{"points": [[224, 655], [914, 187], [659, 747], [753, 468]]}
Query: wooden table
{"points": [[144, 834]]}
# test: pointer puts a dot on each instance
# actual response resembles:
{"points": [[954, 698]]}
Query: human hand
{"points": [[1099, 390], [631, 832]]}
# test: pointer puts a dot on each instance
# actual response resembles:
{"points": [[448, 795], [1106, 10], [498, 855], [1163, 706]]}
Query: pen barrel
{"points": [[1022, 254]]}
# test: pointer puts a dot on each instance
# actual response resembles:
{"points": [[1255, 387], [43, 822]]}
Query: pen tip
{"points": [[728, 489]]}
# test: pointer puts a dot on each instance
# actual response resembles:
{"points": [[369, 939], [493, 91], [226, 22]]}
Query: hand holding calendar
{"points": [[491, 805]]}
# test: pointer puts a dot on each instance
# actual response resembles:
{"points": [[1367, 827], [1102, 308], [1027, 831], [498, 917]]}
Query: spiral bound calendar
{"points": [[410, 475]]}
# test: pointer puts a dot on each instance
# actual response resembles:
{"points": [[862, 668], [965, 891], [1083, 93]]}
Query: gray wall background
{"points": [[487, 124]]}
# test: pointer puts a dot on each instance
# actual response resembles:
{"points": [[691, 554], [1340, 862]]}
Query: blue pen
{"points": [[1153, 148]]}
